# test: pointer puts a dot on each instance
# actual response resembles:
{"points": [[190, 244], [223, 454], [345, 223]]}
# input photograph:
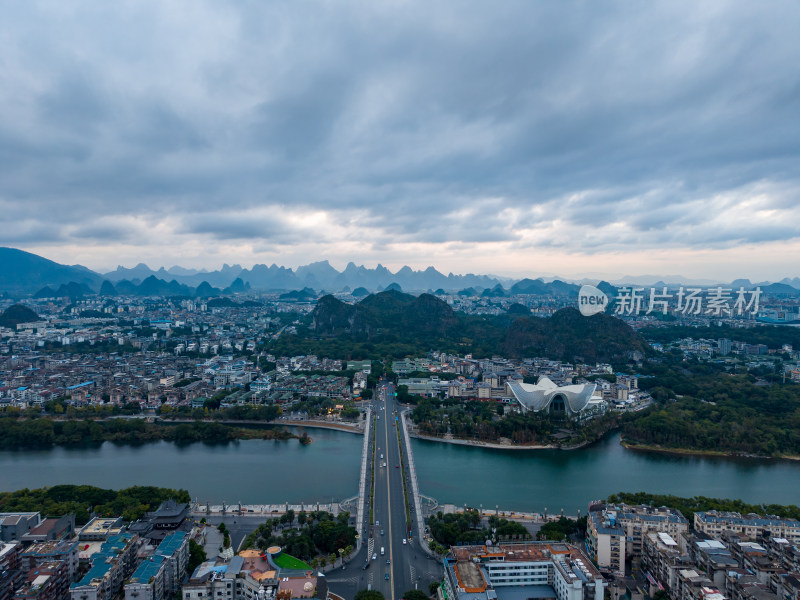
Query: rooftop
{"points": [[148, 569]]}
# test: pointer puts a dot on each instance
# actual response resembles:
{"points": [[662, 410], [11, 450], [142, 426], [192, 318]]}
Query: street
{"points": [[406, 564]]}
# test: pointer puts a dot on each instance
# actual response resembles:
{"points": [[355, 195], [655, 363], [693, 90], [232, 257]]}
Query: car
{"points": [[387, 562], [381, 531], [366, 566], [397, 466], [386, 577], [404, 541], [374, 557], [377, 523]]}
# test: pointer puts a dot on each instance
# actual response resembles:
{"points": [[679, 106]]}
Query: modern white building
{"points": [[566, 401]]}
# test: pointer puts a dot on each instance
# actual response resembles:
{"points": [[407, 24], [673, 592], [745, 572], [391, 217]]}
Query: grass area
{"points": [[284, 561]]}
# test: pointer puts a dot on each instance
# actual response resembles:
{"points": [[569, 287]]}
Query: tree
{"points": [[368, 595], [433, 586], [196, 555], [415, 595]]}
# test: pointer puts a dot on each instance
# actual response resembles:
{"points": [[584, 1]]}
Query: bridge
{"points": [[391, 555], [394, 557]]}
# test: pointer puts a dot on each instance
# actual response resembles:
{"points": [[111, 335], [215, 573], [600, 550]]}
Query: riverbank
{"points": [[319, 424], [43, 432], [695, 452], [480, 444], [346, 427]]}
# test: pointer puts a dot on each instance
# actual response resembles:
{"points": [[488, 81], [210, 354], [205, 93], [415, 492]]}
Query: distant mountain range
{"points": [[23, 273], [317, 276]]}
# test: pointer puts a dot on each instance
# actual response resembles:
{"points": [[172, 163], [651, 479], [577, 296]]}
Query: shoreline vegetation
{"points": [[44, 432], [85, 500], [627, 444], [697, 452], [48, 432]]}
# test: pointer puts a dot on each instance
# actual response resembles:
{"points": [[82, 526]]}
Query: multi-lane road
{"points": [[399, 564]]}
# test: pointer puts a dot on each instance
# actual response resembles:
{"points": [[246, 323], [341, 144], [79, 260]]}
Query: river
{"points": [[259, 471]]}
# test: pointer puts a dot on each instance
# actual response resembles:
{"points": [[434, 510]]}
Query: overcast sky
{"points": [[516, 138]]}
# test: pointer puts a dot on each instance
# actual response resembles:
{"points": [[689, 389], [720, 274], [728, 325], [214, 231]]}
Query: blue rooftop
{"points": [[148, 569], [80, 385], [170, 544], [101, 564]]}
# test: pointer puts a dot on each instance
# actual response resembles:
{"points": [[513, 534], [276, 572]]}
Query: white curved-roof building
{"points": [[568, 400]]}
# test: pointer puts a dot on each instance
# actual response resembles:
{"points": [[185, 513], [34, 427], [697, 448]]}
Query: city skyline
{"points": [[520, 140]]}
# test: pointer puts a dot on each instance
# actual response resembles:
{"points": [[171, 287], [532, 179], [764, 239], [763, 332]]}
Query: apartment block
{"points": [[10, 573], [524, 570], [662, 560], [159, 575], [752, 525], [48, 581], [111, 562], [42, 552], [615, 533]]}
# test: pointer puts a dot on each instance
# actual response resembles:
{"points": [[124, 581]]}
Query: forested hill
{"points": [[398, 324], [390, 311], [570, 335]]}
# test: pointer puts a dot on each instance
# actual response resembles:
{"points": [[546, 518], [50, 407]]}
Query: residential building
{"points": [[14, 525], [100, 529], [614, 533], [42, 552], [51, 529], [111, 562], [662, 560], [48, 581], [10, 569], [525, 570], [751, 526]]}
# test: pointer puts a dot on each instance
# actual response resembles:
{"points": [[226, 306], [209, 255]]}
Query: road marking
{"points": [[389, 498]]}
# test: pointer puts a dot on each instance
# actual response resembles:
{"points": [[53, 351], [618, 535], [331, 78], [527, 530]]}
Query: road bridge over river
{"points": [[393, 558]]}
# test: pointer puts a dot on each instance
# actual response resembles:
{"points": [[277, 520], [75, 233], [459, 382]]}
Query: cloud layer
{"points": [[415, 132]]}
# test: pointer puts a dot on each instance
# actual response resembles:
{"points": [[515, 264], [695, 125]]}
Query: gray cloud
{"points": [[537, 124]]}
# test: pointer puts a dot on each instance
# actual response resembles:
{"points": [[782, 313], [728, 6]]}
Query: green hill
{"points": [[13, 315], [394, 322], [568, 335]]}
